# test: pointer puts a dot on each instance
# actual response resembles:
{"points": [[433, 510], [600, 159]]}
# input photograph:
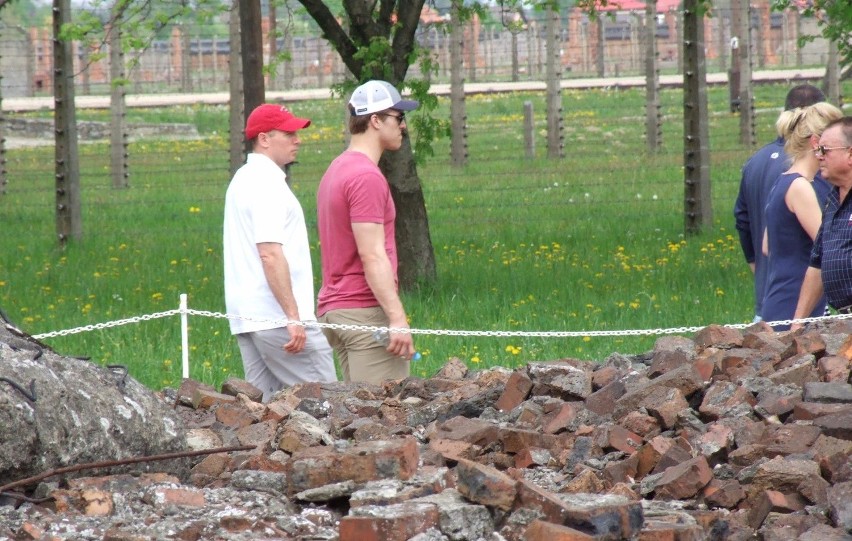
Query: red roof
{"points": [[639, 5]]}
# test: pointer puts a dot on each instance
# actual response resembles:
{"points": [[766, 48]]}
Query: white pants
{"points": [[269, 368]]}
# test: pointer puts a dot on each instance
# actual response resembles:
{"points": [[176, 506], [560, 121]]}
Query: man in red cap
{"points": [[355, 216], [268, 273]]}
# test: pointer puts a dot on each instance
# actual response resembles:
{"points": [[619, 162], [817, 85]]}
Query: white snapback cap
{"points": [[376, 96]]}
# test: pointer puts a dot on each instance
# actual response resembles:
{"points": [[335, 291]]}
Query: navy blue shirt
{"points": [[758, 176], [832, 252]]}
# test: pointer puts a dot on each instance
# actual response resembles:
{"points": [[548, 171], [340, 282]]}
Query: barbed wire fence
{"points": [[191, 59]]}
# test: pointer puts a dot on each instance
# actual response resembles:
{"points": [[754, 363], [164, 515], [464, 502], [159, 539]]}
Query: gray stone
{"points": [[835, 392], [824, 532], [606, 515], [327, 493], [560, 380], [266, 481], [430, 535], [840, 505], [80, 413], [459, 519], [837, 425]]}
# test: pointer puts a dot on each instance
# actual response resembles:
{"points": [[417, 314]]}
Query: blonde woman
{"points": [[793, 211]]}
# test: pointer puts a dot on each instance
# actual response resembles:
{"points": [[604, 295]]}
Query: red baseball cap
{"points": [[268, 117]]}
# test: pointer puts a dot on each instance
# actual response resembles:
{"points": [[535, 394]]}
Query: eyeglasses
{"points": [[400, 118], [822, 150]]}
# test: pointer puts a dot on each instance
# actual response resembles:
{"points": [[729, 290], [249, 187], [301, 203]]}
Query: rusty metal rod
{"points": [[123, 462]]}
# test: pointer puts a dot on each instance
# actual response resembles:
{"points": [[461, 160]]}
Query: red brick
{"points": [[661, 530], [727, 493], [586, 482], [664, 404], [396, 522], [161, 497], [603, 400], [667, 360], [516, 439], [833, 368], [810, 342], [608, 517], [484, 484], [684, 480], [530, 415], [845, 350], [366, 461], [622, 471], [808, 411], [603, 376], [540, 530], [517, 390], [28, 530], [561, 418], [705, 366], [722, 397], [475, 431], [641, 424], [532, 457], [718, 336], [650, 454], [800, 371], [531, 496], [233, 416], [258, 434], [623, 440], [235, 386], [204, 399], [772, 501], [676, 454], [453, 449], [97, 503], [789, 439]]}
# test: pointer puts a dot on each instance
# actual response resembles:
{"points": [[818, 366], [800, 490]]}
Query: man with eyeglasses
{"points": [[355, 215], [268, 272], [758, 176], [830, 269]]}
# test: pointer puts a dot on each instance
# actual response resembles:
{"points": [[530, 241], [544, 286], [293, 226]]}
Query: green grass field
{"points": [[592, 242]]}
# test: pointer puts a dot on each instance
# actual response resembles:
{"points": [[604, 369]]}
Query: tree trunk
{"points": [[413, 242]]}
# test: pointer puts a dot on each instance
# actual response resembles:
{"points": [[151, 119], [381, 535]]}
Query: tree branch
{"points": [[334, 33], [403, 39]]}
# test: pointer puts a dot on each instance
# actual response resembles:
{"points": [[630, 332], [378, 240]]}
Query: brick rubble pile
{"points": [[729, 435]]}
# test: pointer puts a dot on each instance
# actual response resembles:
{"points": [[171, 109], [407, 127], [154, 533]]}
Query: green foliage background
{"points": [[592, 242]]}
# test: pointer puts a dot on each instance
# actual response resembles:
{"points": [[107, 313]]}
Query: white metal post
{"points": [[184, 336]]}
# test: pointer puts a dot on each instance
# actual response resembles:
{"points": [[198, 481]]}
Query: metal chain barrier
{"points": [[437, 332]]}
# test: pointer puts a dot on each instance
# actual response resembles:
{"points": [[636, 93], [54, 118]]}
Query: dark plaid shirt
{"points": [[832, 252]]}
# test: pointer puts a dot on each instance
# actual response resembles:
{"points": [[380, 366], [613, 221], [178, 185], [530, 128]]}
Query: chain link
{"points": [[436, 332], [107, 325]]}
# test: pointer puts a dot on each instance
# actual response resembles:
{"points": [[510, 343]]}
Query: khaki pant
{"points": [[269, 368], [361, 358]]}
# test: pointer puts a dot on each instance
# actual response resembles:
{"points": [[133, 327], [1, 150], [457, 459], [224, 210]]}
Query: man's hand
{"points": [[297, 338], [402, 344]]}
